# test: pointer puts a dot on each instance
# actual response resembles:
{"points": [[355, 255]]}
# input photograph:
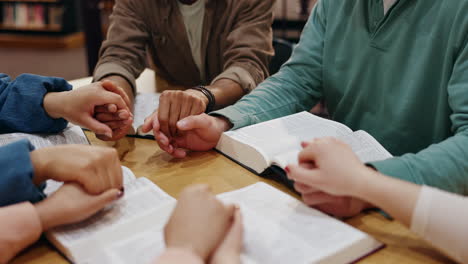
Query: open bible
{"points": [[278, 142], [277, 229], [145, 105], [129, 230], [70, 135]]}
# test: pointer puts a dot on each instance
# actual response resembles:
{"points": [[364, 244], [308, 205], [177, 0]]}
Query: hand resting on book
{"points": [[325, 177], [204, 226]]}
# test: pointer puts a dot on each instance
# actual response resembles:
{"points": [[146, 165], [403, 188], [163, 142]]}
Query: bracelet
{"points": [[209, 95]]}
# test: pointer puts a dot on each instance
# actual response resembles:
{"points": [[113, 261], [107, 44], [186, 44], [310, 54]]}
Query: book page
{"points": [[286, 134], [277, 229], [70, 135], [123, 218], [368, 148], [145, 105], [276, 224], [141, 247]]}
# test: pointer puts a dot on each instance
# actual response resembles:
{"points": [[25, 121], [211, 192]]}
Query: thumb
{"points": [[97, 127], [112, 87], [105, 198], [148, 124], [231, 210], [237, 227], [194, 122]]}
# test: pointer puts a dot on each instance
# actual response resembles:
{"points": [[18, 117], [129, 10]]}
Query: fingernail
{"points": [[304, 144], [163, 141], [120, 194], [182, 123], [287, 169], [128, 121], [108, 134]]}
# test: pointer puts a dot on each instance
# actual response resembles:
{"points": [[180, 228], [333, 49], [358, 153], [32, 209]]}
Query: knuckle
{"points": [[165, 95], [163, 119]]}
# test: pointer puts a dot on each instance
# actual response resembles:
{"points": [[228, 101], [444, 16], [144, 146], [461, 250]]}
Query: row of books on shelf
{"points": [[29, 16]]}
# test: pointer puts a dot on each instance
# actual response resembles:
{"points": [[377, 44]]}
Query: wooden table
{"points": [[145, 158]]}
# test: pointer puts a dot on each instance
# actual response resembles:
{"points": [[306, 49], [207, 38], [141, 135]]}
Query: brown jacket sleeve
{"points": [[249, 45], [124, 51], [20, 227]]}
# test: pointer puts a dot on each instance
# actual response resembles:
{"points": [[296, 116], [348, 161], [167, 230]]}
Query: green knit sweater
{"points": [[402, 77]]}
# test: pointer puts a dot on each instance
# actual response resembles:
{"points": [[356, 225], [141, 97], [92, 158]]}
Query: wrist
{"points": [[200, 95], [211, 100], [365, 183], [46, 215], [39, 166], [223, 123], [54, 104]]}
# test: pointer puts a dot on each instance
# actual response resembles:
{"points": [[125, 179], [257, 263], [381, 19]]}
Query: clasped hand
{"points": [[328, 176]]}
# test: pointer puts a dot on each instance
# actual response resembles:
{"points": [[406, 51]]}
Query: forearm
{"points": [[394, 196], [226, 92], [278, 96], [296, 87], [20, 227], [443, 165]]}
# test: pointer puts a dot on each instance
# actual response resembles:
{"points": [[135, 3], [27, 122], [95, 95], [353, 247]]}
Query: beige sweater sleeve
{"points": [[441, 218], [20, 227]]}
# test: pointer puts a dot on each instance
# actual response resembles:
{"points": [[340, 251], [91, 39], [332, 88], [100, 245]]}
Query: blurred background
{"points": [[62, 37]]}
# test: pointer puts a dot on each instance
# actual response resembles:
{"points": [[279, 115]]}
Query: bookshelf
{"points": [[291, 17], [40, 23]]}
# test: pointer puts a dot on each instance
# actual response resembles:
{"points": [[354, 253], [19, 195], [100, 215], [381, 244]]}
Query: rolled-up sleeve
{"points": [[21, 104], [249, 45], [440, 218], [16, 178], [296, 87], [124, 51]]}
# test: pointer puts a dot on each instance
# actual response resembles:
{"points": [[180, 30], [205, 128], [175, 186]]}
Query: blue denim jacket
{"points": [[21, 110]]}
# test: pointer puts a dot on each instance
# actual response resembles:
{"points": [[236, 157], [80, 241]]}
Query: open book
{"points": [[145, 105], [70, 135], [129, 230], [281, 229], [277, 229], [278, 142]]}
